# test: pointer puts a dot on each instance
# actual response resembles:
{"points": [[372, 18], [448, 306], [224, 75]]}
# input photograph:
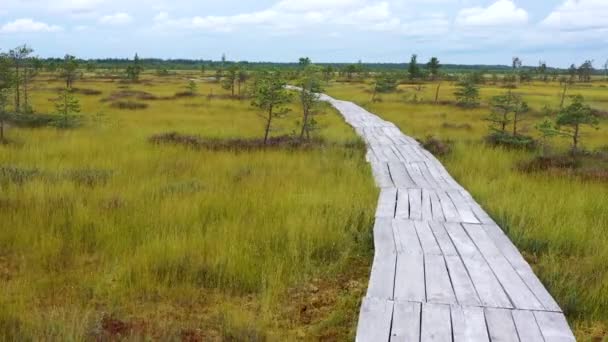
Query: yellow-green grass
{"points": [[173, 242], [560, 223]]}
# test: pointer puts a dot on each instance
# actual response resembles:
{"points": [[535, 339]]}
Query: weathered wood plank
{"points": [[382, 175], [374, 320], [406, 322], [438, 285], [400, 176], [415, 198], [427, 238], [462, 207], [384, 237], [463, 243], [526, 326], [427, 211], [521, 296], [488, 288], [554, 327], [443, 239], [449, 210], [436, 207], [409, 278], [461, 282], [436, 323], [469, 324], [406, 237], [382, 277], [387, 203], [500, 325], [403, 204], [521, 267]]}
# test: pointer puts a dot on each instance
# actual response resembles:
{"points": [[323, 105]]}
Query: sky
{"points": [[560, 32]]}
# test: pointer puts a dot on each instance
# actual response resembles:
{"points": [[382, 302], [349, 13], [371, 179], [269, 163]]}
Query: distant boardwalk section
{"points": [[443, 270]]}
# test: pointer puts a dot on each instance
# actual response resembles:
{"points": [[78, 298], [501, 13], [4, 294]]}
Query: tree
{"points": [[328, 72], [241, 79], [66, 105], [542, 71], [6, 83], [606, 70], [572, 71], [69, 70], [433, 65], [467, 94], [30, 70], [19, 55], [413, 69], [585, 71], [310, 89], [135, 69], [516, 64], [192, 87], [304, 62], [203, 69], [571, 118], [270, 96], [230, 78], [384, 83], [502, 106]]}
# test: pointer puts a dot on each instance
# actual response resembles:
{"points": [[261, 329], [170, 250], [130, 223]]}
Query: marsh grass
{"points": [[105, 235], [558, 220]]}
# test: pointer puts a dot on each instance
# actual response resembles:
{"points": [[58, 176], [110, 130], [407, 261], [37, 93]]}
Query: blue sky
{"points": [[457, 31]]}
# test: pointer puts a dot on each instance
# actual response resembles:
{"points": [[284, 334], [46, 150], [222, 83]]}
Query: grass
{"points": [[106, 235], [558, 222]]}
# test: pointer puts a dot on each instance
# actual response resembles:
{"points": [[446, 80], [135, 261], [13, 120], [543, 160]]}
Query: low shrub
{"points": [[31, 120], [130, 105], [437, 146], [511, 141]]}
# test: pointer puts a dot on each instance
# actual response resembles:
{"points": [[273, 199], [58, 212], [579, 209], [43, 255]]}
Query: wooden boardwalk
{"points": [[443, 270]]}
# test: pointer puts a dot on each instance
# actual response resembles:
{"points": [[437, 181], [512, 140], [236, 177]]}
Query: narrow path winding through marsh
{"points": [[443, 270]]}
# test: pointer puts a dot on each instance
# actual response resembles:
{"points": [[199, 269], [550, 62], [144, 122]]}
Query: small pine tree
{"points": [[66, 106], [571, 118], [192, 87], [467, 94], [270, 96]]}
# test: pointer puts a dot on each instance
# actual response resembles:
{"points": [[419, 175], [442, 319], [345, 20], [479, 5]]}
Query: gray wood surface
{"points": [[442, 270]]}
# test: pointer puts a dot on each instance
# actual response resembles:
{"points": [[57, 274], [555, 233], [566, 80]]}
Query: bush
{"points": [[437, 146], [31, 120], [131, 105], [511, 141]]}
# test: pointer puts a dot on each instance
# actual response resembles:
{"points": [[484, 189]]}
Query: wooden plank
{"points": [[403, 204], [427, 211], [518, 292], [526, 326], [436, 323], [463, 243], [382, 175], [461, 282], [387, 203], [384, 238], [436, 207], [416, 177], [491, 293], [382, 277], [406, 322], [427, 238], [409, 278], [482, 240], [406, 238], [443, 239], [415, 198], [521, 267], [469, 324], [500, 325], [449, 210], [462, 207], [400, 176], [374, 320], [438, 285], [554, 327]]}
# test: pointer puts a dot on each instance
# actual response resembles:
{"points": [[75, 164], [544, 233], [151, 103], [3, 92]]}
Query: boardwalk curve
{"points": [[443, 270]]}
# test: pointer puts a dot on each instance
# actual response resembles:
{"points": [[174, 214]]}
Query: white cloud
{"points": [[578, 15], [317, 5], [119, 18], [27, 25], [499, 14]]}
